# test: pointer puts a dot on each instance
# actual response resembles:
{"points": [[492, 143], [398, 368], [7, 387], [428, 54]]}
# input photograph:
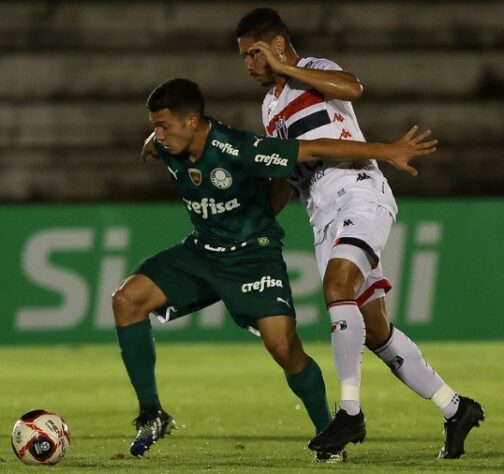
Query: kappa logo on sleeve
{"points": [[274, 159]]}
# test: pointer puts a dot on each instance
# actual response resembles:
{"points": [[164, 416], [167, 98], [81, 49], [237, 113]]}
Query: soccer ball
{"points": [[40, 437]]}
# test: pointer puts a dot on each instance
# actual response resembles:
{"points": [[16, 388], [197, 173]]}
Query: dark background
{"points": [[74, 77]]}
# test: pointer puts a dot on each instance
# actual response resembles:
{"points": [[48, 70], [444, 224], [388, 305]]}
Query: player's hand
{"points": [[275, 60], [408, 147], [149, 150]]}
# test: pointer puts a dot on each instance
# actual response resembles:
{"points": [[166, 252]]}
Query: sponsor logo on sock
{"points": [[339, 326], [396, 363]]}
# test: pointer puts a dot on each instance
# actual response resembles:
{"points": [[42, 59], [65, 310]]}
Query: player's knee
{"points": [[281, 350], [338, 288], [124, 304], [342, 280]]}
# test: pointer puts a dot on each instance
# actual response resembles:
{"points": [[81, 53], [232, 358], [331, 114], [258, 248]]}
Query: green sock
{"points": [[139, 357], [309, 386]]}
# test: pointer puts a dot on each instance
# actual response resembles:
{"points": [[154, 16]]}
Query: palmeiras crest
{"points": [[221, 178], [195, 176]]}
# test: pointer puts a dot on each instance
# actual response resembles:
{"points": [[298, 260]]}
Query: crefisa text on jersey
{"points": [[206, 206], [225, 147], [273, 159]]}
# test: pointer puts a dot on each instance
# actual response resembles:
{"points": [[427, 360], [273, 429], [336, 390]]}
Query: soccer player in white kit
{"points": [[351, 209]]}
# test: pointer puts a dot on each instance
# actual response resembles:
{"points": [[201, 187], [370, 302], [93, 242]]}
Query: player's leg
{"points": [[257, 293], [346, 256], [167, 273], [132, 302], [302, 372], [341, 281], [407, 363]]}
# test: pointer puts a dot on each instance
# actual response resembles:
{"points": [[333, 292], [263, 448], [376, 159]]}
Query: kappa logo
{"points": [[362, 177], [207, 207], [347, 222], [221, 178], [225, 147], [257, 141], [259, 285], [339, 326], [273, 159], [173, 172]]}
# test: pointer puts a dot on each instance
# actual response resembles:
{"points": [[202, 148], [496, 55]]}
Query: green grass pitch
{"points": [[236, 414]]}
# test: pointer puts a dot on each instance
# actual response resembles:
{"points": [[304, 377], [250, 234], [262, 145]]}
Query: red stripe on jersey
{"points": [[382, 284], [305, 100]]}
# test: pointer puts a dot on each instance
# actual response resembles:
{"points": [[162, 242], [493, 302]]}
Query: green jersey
{"points": [[226, 191]]}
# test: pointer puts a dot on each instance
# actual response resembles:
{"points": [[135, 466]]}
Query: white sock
{"points": [[407, 363], [348, 335]]}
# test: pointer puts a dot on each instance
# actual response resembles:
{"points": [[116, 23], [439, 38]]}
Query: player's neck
{"points": [[198, 144]]}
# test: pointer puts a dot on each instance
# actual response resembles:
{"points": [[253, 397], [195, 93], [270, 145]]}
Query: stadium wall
{"points": [[61, 264]]}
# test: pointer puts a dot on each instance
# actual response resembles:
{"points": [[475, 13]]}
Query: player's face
{"points": [[172, 131], [256, 64]]}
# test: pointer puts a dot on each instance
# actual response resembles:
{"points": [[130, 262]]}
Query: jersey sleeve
{"points": [[265, 157], [321, 63]]}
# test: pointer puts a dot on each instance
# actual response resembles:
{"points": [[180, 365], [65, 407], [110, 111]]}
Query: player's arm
{"points": [[339, 85], [398, 153], [281, 193]]}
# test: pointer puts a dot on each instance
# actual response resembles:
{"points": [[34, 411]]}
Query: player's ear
{"points": [[279, 44], [192, 120]]}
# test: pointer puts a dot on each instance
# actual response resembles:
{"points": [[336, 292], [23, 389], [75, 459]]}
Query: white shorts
{"points": [[358, 232]]}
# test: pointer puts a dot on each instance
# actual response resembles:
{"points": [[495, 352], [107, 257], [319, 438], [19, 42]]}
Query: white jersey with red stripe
{"points": [[304, 113]]}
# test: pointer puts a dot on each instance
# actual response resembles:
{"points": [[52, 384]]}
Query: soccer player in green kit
{"points": [[234, 253]]}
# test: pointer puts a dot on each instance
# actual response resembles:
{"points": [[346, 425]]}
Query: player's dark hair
{"points": [[178, 95], [262, 24]]}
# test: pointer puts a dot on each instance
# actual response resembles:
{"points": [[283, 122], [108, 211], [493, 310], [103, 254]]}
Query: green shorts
{"points": [[251, 281]]}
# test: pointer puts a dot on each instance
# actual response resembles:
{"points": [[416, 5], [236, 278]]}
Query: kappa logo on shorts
{"points": [[347, 222], [259, 285], [221, 178]]}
